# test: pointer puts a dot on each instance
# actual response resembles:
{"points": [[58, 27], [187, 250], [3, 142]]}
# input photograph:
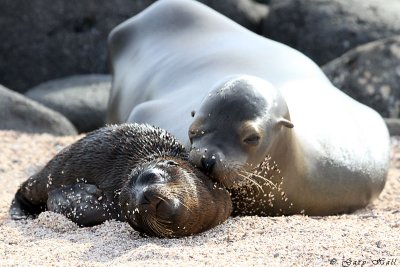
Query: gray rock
{"points": [[43, 40], [82, 99], [371, 74], [393, 125], [325, 29], [19, 113]]}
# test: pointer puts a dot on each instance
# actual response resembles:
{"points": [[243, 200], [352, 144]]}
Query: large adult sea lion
{"points": [[131, 172], [266, 122]]}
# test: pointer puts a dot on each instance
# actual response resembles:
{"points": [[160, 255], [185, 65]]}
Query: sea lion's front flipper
{"points": [[21, 208], [84, 204]]}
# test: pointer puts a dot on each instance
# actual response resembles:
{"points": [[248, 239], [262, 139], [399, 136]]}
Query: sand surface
{"points": [[367, 238]]}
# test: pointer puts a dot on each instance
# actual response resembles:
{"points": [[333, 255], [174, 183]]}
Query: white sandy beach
{"points": [[369, 235]]}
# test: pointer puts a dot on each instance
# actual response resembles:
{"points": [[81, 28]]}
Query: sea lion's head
{"points": [[168, 197], [235, 127]]}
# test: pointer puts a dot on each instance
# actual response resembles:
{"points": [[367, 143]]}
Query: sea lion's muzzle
{"points": [[159, 206], [151, 176], [152, 197], [206, 159]]}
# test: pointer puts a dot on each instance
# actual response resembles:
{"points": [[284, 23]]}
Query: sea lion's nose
{"points": [[150, 177], [208, 163]]}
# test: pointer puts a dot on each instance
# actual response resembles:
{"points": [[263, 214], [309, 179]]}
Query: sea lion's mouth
{"points": [[162, 218], [233, 174], [226, 176], [158, 205]]}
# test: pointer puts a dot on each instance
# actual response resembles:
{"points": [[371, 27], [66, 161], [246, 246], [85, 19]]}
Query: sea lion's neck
{"points": [[282, 169], [283, 148], [286, 153]]}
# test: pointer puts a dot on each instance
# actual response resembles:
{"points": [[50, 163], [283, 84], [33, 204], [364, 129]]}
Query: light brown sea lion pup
{"points": [[130, 172]]}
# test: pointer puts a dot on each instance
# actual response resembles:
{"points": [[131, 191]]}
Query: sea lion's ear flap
{"points": [[286, 123]]}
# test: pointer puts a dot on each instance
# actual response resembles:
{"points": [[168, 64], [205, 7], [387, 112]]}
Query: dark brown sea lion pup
{"points": [[248, 92], [130, 172]]}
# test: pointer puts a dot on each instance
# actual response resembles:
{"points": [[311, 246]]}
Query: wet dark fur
{"points": [[85, 180]]}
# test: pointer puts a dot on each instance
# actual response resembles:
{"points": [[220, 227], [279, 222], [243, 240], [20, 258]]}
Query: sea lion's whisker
{"points": [[157, 227], [181, 201], [175, 195], [183, 204], [248, 178], [264, 179], [163, 227]]}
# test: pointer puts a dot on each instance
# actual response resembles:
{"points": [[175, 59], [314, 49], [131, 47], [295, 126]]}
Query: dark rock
{"points": [[247, 13], [393, 125], [42, 40], [82, 99], [371, 74], [325, 29], [22, 114]]}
